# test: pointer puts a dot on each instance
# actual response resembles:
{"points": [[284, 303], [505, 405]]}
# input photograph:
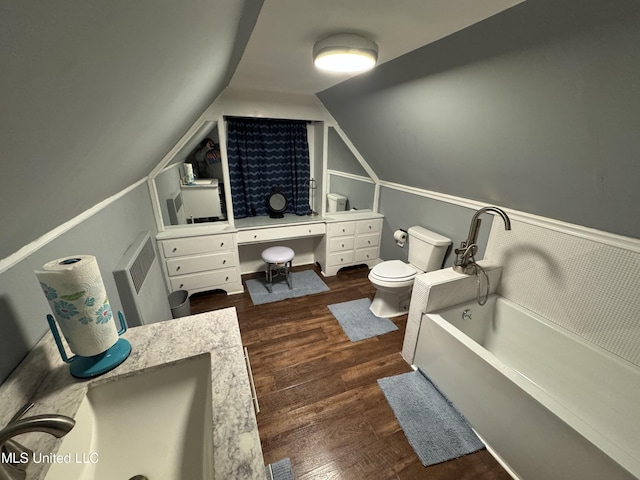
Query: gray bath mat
{"points": [[304, 283], [434, 427], [358, 322], [280, 470]]}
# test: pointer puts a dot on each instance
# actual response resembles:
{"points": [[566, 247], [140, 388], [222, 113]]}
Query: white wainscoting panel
{"points": [[589, 287]]}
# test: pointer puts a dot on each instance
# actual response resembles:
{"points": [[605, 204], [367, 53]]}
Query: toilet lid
{"points": [[394, 270]]}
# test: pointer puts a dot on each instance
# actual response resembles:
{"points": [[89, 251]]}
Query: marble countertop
{"points": [[44, 379]]}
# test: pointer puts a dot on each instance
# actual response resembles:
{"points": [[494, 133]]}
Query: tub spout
{"points": [[468, 248]]}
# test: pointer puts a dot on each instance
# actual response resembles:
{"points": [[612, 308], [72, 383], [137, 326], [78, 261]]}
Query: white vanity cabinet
{"points": [[350, 242], [201, 263]]}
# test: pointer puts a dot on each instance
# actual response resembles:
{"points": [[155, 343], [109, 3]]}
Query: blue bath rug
{"points": [[358, 322], [434, 427], [280, 470], [304, 283]]}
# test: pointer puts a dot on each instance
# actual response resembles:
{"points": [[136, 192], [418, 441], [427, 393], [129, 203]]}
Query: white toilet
{"points": [[394, 278]]}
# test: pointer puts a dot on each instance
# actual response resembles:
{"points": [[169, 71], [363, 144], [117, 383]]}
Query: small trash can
{"points": [[179, 303]]}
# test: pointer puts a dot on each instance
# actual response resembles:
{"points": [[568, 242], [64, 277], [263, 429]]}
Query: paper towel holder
{"points": [[90, 367]]}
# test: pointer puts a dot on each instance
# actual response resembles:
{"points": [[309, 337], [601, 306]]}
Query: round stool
{"points": [[277, 260]]}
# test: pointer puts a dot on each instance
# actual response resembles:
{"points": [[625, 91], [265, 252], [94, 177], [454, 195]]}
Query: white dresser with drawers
{"points": [[203, 262], [199, 259], [351, 239]]}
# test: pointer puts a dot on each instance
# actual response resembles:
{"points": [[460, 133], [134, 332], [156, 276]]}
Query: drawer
{"points": [[344, 258], [258, 235], [367, 240], [176, 247], [340, 244], [341, 228], [200, 263], [367, 254], [369, 226], [209, 280]]}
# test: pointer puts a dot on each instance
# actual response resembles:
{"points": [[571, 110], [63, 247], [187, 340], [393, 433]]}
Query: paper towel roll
{"points": [[74, 289], [400, 236], [188, 172]]}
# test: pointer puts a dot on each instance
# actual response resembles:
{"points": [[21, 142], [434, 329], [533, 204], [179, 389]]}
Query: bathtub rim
{"points": [[603, 442]]}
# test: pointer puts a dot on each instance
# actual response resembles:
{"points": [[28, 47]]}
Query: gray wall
{"points": [[340, 158], [95, 93], [535, 109], [106, 235], [403, 210]]}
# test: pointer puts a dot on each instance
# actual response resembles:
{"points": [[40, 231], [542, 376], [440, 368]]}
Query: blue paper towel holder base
{"points": [[89, 367]]}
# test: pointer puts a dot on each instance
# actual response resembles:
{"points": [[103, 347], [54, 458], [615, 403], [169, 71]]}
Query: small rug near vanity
{"points": [[358, 322], [432, 424], [304, 283], [280, 470]]}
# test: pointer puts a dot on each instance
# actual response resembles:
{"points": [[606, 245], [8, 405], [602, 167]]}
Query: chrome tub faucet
{"points": [[465, 261], [16, 457]]}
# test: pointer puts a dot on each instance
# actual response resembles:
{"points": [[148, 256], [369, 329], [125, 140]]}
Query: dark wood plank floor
{"points": [[320, 403]]}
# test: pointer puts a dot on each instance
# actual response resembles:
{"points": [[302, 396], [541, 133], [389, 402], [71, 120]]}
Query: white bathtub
{"points": [[548, 404]]}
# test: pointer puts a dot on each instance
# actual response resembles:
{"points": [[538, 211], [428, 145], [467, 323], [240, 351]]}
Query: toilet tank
{"points": [[336, 202], [427, 249]]}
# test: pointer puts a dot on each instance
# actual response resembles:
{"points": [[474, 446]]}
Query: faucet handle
{"points": [[20, 413], [13, 448]]}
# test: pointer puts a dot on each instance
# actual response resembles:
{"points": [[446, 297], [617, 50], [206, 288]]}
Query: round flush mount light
{"points": [[345, 53]]}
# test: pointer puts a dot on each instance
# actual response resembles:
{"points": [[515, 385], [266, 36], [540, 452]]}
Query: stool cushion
{"points": [[277, 254]]}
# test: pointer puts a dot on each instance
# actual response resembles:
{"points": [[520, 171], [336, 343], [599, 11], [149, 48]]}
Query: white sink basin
{"points": [[157, 424]]}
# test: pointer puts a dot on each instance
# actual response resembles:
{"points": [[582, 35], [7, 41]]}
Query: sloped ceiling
{"points": [[95, 93], [278, 55], [535, 109]]}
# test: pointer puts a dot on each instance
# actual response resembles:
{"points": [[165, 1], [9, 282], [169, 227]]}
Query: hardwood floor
{"points": [[320, 404]]}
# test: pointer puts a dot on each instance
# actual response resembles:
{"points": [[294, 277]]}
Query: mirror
{"points": [[185, 199], [347, 177]]}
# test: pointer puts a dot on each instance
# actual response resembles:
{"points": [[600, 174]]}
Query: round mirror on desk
{"points": [[277, 203]]}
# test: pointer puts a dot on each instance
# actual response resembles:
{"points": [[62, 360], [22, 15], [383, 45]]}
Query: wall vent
{"points": [[176, 212], [142, 264], [140, 284]]}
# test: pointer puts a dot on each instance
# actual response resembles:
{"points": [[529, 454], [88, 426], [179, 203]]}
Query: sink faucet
{"points": [[464, 262], [15, 457]]}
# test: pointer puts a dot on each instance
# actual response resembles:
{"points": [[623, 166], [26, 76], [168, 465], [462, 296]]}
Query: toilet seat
{"points": [[393, 271]]}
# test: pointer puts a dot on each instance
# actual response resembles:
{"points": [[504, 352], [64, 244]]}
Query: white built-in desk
{"points": [[214, 255], [264, 229]]}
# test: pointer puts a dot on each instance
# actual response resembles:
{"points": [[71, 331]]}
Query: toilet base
{"points": [[388, 304]]}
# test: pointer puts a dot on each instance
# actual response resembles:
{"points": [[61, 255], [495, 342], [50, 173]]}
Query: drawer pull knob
{"points": [[181, 285], [175, 249], [224, 261], [369, 242], [255, 236], [221, 244], [343, 230], [177, 268], [226, 279], [343, 245], [369, 227]]}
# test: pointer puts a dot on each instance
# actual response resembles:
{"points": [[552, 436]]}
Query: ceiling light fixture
{"points": [[345, 53]]}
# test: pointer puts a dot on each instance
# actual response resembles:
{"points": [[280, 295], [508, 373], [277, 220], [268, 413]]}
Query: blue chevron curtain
{"points": [[265, 154]]}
